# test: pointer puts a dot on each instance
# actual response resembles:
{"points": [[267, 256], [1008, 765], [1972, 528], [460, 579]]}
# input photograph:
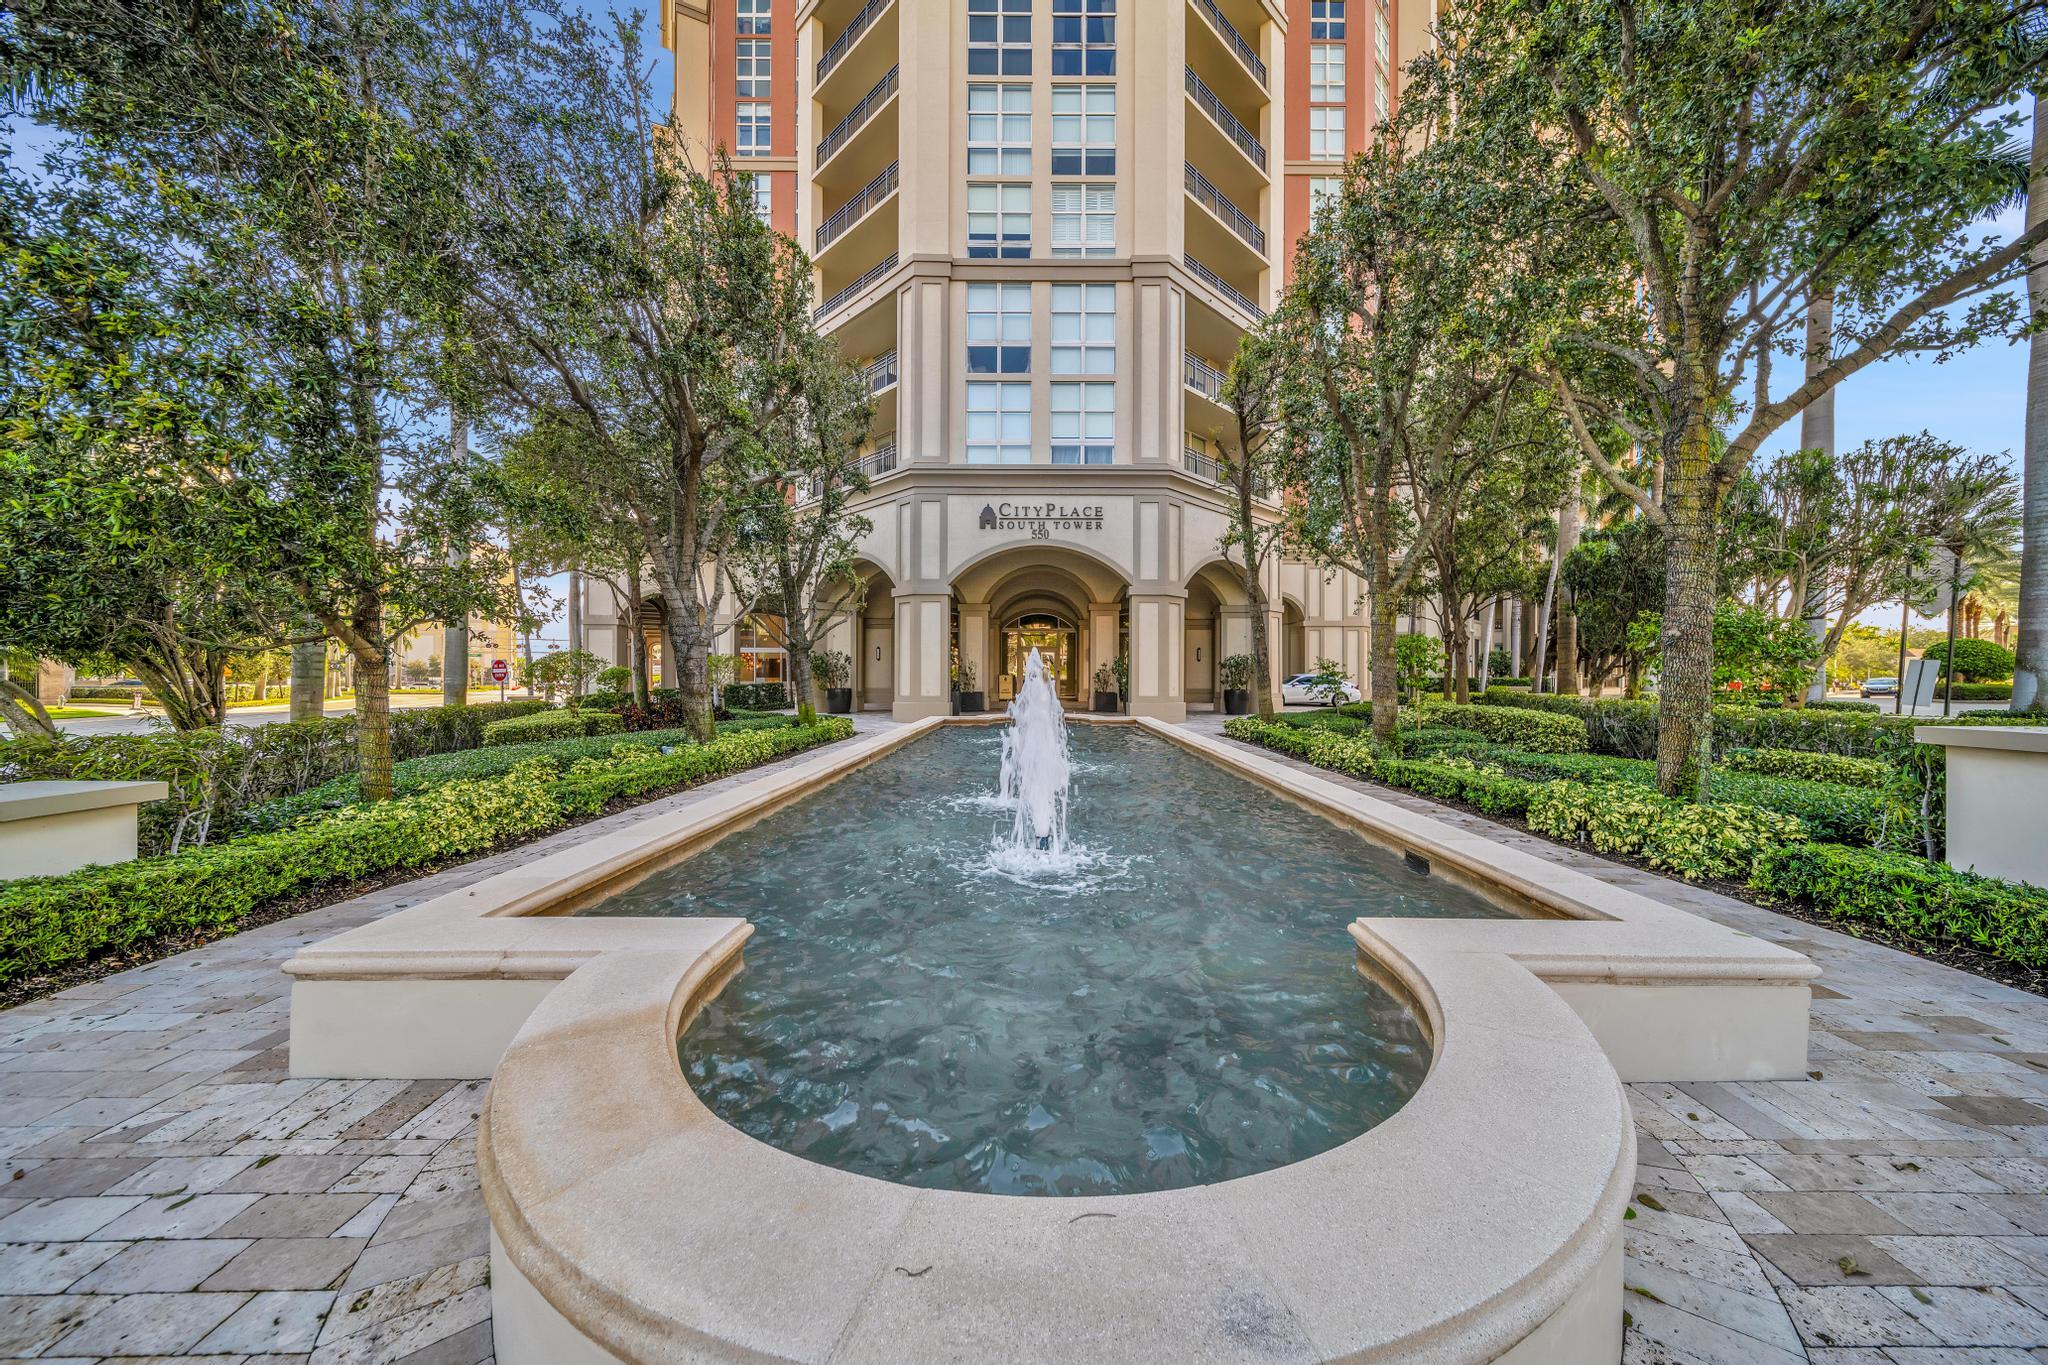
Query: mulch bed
{"points": [[1961, 956], [24, 989]]}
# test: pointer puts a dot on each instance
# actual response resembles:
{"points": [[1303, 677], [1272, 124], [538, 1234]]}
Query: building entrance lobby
{"points": [[1058, 644]]}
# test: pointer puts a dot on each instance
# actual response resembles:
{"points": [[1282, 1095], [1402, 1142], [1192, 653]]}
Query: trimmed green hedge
{"points": [[1536, 731], [1452, 779], [1913, 897], [1721, 839], [551, 725], [47, 922], [1808, 767], [767, 696]]}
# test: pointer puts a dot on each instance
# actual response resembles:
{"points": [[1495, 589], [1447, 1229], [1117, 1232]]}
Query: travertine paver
{"points": [[1890, 1209], [180, 1195]]}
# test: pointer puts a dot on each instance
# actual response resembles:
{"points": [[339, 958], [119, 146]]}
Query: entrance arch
{"points": [[874, 641], [1055, 596], [1294, 639]]}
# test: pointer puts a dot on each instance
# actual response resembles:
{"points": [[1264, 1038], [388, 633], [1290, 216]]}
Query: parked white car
{"points": [[1303, 690]]}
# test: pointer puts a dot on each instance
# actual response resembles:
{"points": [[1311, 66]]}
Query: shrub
{"points": [[1235, 672], [1809, 767], [1911, 896], [1976, 660], [829, 668], [1614, 725], [617, 678], [1967, 691], [1537, 731], [1614, 817], [1453, 779], [1867, 707], [47, 922], [551, 725], [1721, 839], [758, 696]]}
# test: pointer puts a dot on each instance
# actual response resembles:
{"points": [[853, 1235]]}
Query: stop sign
{"points": [[498, 670]]}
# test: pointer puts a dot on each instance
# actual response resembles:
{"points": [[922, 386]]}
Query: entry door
{"points": [[878, 665], [1199, 667]]}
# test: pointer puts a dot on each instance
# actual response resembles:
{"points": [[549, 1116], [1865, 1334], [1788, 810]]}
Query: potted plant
{"points": [[1237, 682], [968, 697], [1105, 689], [1122, 667], [832, 670]]}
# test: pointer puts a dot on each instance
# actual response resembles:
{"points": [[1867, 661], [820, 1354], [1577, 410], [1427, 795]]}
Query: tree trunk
{"points": [[575, 626], [455, 634], [1817, 432], [309, 680], [1568, 521], [2030, 675], [21, 710], [1537, 671], [1685, 698], [1263, 700], [636, 640], [1461, 660], [797, 639], [1386, 705], [373, 723]]}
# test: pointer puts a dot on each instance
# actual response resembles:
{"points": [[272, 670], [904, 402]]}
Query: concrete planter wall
{"points": [[1997, 798], [50, 828]]}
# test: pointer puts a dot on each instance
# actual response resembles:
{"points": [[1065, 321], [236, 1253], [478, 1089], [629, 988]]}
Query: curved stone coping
{"points": [[1486, 1208]]}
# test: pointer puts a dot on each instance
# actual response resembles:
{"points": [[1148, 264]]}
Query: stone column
{"points": [[1156, 646], [1105, 625], [923, 650], [309, 680], [974, 652]]}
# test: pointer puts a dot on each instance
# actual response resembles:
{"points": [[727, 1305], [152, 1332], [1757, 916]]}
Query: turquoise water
{"points": [[1175, 1005]]}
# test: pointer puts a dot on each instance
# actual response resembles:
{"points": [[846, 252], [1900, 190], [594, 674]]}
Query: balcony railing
{"points": [[857, 117], [882, 374], [1204, 378], [1232, 39], [1211, 198], [867, 277], [848, 36], [872, 465], [1217, 283], [858, 207], [1205, 466], [1224, 119]]}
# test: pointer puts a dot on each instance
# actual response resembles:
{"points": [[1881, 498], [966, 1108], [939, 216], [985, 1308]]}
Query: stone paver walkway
{"points": [[167, 1191]]}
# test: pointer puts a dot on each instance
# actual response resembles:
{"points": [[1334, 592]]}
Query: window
{"points": [[751, 69], [999, 221], [1326, 133], [1083, 423], [999, 130], [1379, 35], [1084, 329], [1084, 220], [1323, 193], [1084, 130], [998, 37], [758, 642], [1325, 19], [1326, 73], [1084, 37], [750, 16], [764, 196], [1379, 94], [998, 423], [752, 121], [999, 329]]}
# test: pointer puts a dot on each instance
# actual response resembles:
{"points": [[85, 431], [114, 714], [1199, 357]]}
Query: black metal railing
{"points": [[1233, 40], [853, 210], [867, 277], [1213, 199], [1221, 286], [848, 36], [1204, 378], [881, 460], [857, 117], [1205, 466], [882, 374], [1225, 120]]}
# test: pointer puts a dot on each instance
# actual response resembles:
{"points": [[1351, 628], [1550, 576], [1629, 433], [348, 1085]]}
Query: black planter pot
{"points": [[955, 698], [839, 701], [1106, 703], [972, 703], [1237, 701]]}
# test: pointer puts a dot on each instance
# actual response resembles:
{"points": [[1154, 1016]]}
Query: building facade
{"points": [[1041, 226]]}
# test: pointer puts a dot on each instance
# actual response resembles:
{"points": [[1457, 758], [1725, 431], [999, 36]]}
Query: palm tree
{"points": [[2030, 673]]}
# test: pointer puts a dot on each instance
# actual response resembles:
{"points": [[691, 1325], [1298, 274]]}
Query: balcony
{"points": [[857, 118], [849, 214], [877, 462], [1209, 197], [859, 56], [1233, 42], [840, 297], [1225, 122], [1204, 378], [1210, 470], [882, 374], [1223, 287]]}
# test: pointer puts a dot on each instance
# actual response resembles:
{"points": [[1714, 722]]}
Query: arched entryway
{"points": [[1216, 625], [1056, 638], [1294, 639], [1067, 603], [874, 641]]}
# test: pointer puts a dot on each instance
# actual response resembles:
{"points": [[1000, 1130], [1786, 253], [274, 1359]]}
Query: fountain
{"points": [[1036, 771]]}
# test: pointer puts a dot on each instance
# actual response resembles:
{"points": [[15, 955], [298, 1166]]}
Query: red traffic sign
{"points": [[498, 671]]}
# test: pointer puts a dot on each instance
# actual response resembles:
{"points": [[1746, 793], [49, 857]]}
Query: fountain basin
{"points": [[1479, 1222]]}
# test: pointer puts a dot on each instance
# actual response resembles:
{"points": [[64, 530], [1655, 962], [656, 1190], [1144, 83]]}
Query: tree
{"points": [[1258, 461], [1973, 516], [1975, 660], [272, 169], [797, 541], [613, 278], [2030, 671], [1755, 649], [1616, 575], [1725, 164], [567, 671]]}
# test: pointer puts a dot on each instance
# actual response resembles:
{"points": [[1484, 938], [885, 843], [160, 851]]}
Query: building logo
{"points": [[1041, 519]]}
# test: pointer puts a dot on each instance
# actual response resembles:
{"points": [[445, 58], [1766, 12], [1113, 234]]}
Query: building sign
{"points": [[1041, 519]]}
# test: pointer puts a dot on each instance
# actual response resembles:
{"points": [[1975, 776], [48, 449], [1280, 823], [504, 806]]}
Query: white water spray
{"points": [[1036, 771]]}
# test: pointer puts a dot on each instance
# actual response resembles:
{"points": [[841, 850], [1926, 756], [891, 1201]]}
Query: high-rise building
{"points": [[1042, 225]]}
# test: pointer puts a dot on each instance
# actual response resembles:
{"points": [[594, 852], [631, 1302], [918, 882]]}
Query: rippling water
{"points": [[1174, 1004]]}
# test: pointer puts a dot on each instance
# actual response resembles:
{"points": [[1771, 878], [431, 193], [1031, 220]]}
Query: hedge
{"points": [[1808, 767], [551, 725], [1534, 731], [760, 696], [47, 922], [1721, 839], [1912, 897], [1451, 779], [216, 774]]}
